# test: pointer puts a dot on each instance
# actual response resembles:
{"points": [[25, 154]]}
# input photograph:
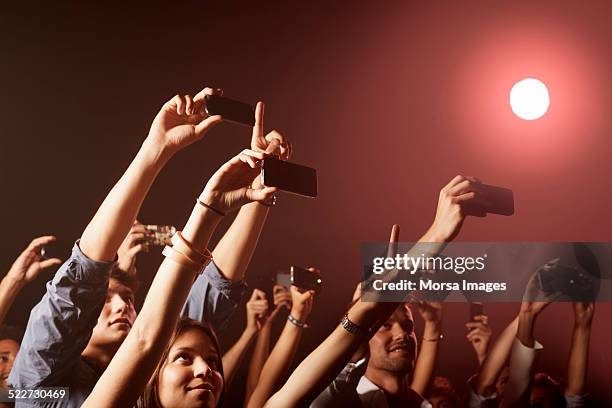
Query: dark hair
{"points": [[127, 279], [544, 380], [11, 333], [442, 387], [150, 396]]}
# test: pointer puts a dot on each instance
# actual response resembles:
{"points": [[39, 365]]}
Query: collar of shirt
{"points": [[371, 395]]}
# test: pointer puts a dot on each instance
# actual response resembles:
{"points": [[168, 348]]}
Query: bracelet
{"points": [[180, 244], [182, 259], [297, 322], [434, 339], [211, 208], [352, 328]]}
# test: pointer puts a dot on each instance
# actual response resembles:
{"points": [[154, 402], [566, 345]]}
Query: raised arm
{"points": [[479, 336], [181, 122], [24, 270], [128, 372], [261, 351], [325, 362], [579, 350], [234, 251], [282, 354], [257, 309], [431, 312], [525, 347], [61, 324], [495, 361]]}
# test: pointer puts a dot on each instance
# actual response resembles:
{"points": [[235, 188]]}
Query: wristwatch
{"points": [[352, 328]]}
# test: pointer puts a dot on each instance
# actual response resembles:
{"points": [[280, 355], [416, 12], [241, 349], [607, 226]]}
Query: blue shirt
{"points": [[61, 324]]}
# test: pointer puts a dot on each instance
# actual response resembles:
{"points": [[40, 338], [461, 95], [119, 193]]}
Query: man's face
{"points": [[393, 347], [8, 352], [117, 316]]}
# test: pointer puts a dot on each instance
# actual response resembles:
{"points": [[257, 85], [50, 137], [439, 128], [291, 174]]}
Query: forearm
{"points": [[9, 288], [233, 357], [277, 365], [111, 223], [427, 357], [526, 323], [260, 355], [326, 361], [480, 356], [131, 367], [578, 359], [496, 360], [235, 250]]}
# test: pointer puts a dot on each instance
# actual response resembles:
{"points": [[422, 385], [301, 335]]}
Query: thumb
{"points": [[265, 194], [205, 125]]}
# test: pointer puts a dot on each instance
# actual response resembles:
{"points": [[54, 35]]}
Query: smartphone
{"points": [[305, 279], [494, 200], [476, 309], [566, 280], [231, 110], [160, 234], [290, 177], [283, 278]]}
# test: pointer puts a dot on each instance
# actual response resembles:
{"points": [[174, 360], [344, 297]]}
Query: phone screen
{"points": [[231, 110], [283, 278], [305, 279], [476, 309], [493, 200], [290, 177]]}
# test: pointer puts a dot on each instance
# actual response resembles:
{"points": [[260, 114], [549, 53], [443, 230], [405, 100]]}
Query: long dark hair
{"points": [[150, 396]]}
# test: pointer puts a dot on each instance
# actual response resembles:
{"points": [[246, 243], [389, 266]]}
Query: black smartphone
{"points": [[476, 309], [566, 280], [231, 110], [290, 177], [494, 200], [305, 279]]}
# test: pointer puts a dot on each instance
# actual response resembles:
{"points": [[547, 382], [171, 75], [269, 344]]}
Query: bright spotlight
{"points": [[529, 99]]}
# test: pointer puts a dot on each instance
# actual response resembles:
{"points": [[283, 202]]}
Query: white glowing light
{"points": [[529, 99]]}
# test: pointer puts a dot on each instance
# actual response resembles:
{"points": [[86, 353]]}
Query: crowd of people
{"points": [[86, 334]]}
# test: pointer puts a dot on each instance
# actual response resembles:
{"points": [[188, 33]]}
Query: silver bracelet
{"points": [[298, 323]]}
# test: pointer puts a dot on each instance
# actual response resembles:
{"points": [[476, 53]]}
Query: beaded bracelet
{"points": [[297, 322]]}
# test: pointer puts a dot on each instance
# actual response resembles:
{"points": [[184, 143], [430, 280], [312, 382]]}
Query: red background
{"points": [[387, 102]]}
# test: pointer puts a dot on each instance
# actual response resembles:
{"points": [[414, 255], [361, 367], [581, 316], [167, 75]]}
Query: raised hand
{"points": [[479, 336], [535, 298], [230, 187], [183, 120], [30, 262], [132, 245], [583, 313], [282, 298], [257, 310], [430, 311], [302, 303], [273, 143], [453, 206]]}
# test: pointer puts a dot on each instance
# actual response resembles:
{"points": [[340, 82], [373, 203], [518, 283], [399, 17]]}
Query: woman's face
{"points": [[190, 376]]}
